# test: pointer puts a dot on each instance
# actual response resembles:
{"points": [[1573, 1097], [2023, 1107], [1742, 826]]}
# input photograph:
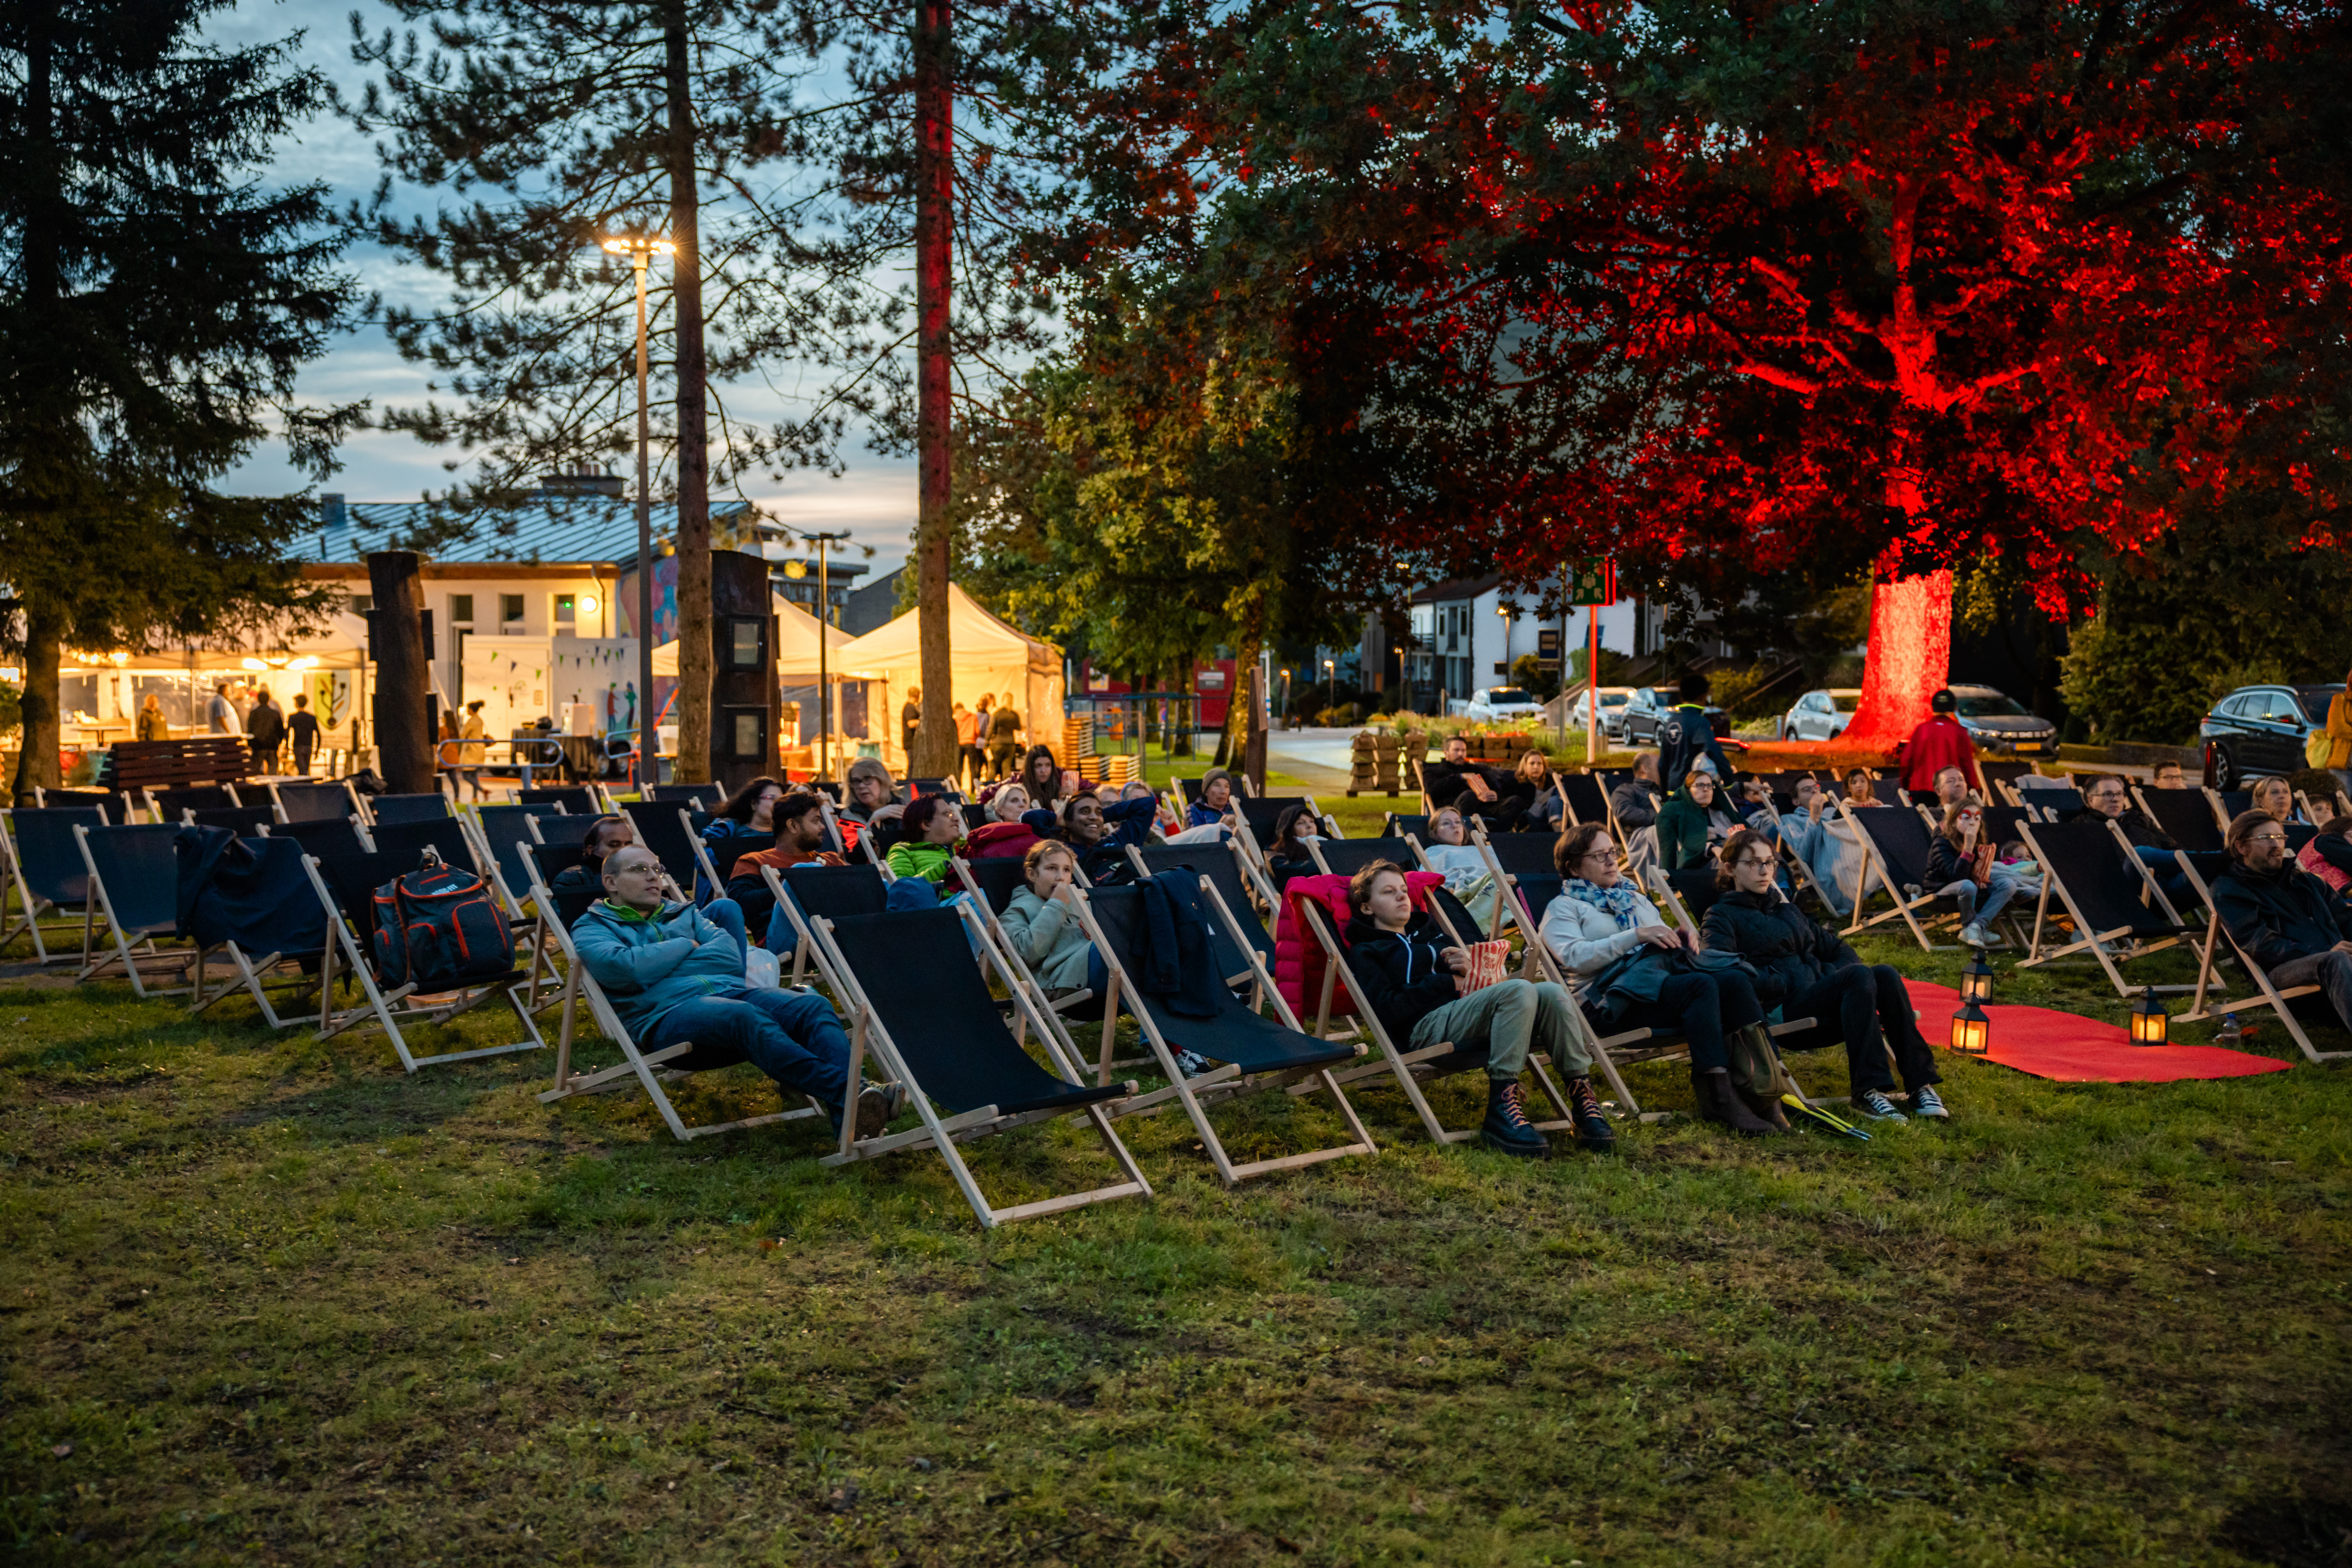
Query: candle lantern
{"points": [[1976, 980], [2149, 1020], [1972, 1030]]}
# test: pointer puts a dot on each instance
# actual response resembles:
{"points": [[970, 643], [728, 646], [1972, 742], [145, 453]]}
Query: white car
{"points": [[1612, 710], [1821, 715], [1495, 702]]}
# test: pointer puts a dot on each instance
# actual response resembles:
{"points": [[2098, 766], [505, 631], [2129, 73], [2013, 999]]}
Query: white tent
{"points": [[796, 638], [986, 658]]}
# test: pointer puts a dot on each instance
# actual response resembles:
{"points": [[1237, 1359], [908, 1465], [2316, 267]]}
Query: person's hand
{"points": [[889, 814], [1662, 937], [1819, 804], [1454, 959], [2343, 947]]}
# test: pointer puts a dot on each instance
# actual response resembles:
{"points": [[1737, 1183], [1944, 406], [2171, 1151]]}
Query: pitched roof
{"points": [[1457, 588], [544, 530]]}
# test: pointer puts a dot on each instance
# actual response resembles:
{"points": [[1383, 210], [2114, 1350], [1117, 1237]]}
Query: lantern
{"points": [[2149, 1020], [1976, 980], [1972, 1030]]}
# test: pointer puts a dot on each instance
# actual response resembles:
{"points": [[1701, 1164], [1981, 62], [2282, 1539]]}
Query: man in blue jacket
{"points": [[1687, 736], [2288, 920], [672, 974]]}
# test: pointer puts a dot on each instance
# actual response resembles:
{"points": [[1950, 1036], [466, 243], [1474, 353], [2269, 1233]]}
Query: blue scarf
{"points": [[1616, 900]]}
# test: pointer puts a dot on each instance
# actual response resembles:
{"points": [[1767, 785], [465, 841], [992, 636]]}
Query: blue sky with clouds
{"points": [[875, 500]]}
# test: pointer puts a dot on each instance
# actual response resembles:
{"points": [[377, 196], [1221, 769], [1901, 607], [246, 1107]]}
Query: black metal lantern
{"points": [[1972, 1030], [1976, 980], [2149, 1020]]}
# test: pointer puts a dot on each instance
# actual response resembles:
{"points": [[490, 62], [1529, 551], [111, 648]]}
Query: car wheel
{"points": [[2225, 769]]}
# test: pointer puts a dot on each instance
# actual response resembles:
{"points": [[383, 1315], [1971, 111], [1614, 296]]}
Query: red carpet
{"points": [[2075, 1050]]}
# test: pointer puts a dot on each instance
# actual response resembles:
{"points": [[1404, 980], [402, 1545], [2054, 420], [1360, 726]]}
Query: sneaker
{"points": [[1925, 1101], [1973, 935], [1506, 1128], [1593, 1132], [1874, 1103], [878, 1105], [1192, 1064]]}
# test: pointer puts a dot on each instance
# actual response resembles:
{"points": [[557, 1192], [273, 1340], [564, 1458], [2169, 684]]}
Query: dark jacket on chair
{"points": [[1400, 971], [2287, 915], [1791, 953]]}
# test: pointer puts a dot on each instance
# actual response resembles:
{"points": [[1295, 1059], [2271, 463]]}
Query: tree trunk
{"points": [[694, 647], [42, 735], [1908, 659], [934, 257], [403, 741], [1233, 751]]}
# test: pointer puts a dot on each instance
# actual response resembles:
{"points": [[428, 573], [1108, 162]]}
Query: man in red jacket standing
{"points": [[1938, 743]]}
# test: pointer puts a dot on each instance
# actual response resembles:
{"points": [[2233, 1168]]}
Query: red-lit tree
{"points": [[1726, 287]]}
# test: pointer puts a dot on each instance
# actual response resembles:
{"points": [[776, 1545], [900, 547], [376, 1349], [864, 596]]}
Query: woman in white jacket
{"points": [[1595, 928]]}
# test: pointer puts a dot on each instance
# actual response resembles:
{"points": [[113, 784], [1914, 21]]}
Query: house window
{"points": [[566, 610], [362, 603], [510, 612], [461, 609]]}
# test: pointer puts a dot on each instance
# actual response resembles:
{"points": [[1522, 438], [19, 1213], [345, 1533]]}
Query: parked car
{"points": [[1612, 710], [1996, 724], [1492, 703], [1647, 708], [2259, 729], [1821, 715]]}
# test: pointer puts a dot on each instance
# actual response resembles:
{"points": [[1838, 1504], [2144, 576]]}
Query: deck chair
{"points": [[1587, 800], [709, 865], [1893, 843], [1410, 1069], [2185, 815], [446, 836], [135, 887], [542, 864], [811, 892], [166, 805], [1235, 883], [946, 1042], [386, 809], [702, 797], [1256, 1052], [2266, 994], [293, 946], [346, 885], [65, 799], [2323, 811], [991, 885], [315, 802], [500, 831], [42, 861], [1404, 825], [668, 833], [1346, 856], [2227, 805], [2119, 912], [580, 987], [342, 836], [975, 815], [245, 819], [577, 800]]}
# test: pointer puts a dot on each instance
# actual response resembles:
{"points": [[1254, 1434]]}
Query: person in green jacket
{"points": [[1042, 924], [919, 861], [1692, 823]]}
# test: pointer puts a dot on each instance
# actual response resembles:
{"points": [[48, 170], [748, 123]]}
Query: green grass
{"points": [[266, 1300]]}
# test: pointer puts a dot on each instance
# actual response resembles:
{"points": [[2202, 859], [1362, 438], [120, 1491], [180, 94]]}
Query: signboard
{"points": [[1547, 645], [1592, 581]]}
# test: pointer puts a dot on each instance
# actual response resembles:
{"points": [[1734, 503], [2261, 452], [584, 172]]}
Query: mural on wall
{"points": [[330, 698], [625, 602]]}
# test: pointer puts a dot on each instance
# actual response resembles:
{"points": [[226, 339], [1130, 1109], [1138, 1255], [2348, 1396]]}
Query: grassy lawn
{"points": [[266, 1300]]}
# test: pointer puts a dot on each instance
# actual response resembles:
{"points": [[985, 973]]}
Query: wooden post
{"points": [[404, 744], [1253, 747], [934, 43]]}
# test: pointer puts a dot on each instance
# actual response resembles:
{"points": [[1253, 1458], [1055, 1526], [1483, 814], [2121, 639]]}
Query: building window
{"points": [[362, 603], [746, 641], [461, 609], [566, 609], [511, 611], [747, 735]]}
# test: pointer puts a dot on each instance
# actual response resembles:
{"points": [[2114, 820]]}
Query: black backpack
{"points": [[437, 927]]}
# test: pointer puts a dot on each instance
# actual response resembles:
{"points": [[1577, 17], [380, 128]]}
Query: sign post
{"points": [[1593, 583]]}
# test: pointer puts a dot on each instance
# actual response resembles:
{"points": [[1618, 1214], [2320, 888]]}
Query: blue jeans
{"points": [[781, 939], [794, 1037], [2330, 970], [728, 916], [1977, 906], [912, 893]]}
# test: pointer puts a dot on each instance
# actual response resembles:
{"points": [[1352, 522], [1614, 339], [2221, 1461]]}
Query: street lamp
{"points": [[641, 249], [1332, 684], [823, 669]]}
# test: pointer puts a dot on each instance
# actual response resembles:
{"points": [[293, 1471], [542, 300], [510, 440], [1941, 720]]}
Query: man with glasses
{"points": [[1806, 971], [2283, 918], [2109, 797]]}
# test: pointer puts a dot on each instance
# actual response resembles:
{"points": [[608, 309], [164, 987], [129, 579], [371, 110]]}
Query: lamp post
{"points": [[824, 665], [1330, 683], [641, 249]]}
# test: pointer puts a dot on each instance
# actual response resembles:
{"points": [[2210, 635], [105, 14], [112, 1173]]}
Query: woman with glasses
{"points": [[1963, 863], [1805, 970], [1631, 970]]}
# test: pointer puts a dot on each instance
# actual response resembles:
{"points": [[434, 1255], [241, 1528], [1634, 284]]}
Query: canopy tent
{"points": [[986, 658], [797, 641]]}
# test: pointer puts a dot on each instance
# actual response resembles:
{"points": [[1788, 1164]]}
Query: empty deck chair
{"points": [[2266, 993], [705, 797], [345, 886], [67, 799], [665, 831], [577, 800], [134, 883], [945, 1041], [42, 863], [580, 988], [1255, 1051], [386, 809], [271, 930], [247, 820], [1587, 800], [2119, 912], [500, 831], [323, 838], [315, 802], [166, 805]]}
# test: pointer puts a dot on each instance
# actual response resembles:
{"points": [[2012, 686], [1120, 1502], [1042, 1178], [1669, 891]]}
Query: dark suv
{"points": [[1646, 709], [2259, 729]]}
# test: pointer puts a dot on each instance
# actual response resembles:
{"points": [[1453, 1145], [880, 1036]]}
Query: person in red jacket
{"points": [[1937, 744]]}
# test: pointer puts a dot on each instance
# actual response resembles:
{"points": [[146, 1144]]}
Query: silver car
{"points": [[1821, 715], [1996, 724]]}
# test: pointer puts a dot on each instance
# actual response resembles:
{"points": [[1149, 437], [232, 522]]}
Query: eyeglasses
{"points": [[1755, 862], [2266, 838], [1606, 856]]}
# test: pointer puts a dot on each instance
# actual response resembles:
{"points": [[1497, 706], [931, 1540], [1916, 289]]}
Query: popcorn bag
{"points": [[1487, 960]]}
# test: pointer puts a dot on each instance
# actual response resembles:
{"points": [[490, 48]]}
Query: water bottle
{"points": [[2229, 1034]]}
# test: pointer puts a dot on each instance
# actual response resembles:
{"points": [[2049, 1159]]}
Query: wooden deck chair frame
{"points": [[2311, 811], [389, 1008], [1220, 1083], [869, 1037], [1411, 1069], [129, 954], [253, 977], [12, 874], [1011, 963], [580, 987], [805, 951], [2088, 938], [1906, 908], [2267, 995], [1786, 1081]]}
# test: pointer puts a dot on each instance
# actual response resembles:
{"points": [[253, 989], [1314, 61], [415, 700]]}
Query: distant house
{"points": [[873, 607]]}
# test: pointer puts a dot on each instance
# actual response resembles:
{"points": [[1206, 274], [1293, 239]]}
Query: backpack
{"points": [[2317, 747], [436, 929]]}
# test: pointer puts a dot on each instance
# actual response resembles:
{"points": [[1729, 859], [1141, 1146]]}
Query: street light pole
{"points": [[823, 662], [640, 251]]}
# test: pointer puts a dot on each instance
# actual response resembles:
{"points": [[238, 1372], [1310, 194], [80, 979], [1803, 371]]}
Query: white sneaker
{"points": [[1973, 935], [1925, 1101]]}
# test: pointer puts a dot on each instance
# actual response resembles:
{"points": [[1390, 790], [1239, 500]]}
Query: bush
{"points": [[1336, 718], [1735, 692]]}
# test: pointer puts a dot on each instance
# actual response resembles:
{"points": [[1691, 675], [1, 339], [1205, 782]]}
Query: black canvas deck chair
{"points": [[62, 799], [542, 864], [245, 819], [580, 989], [1255, 1052], [324, 837], [1236, 884], [1893, 843], [1346, 856], [315, 802], [273, 936], [1410, 1069], [668, 833], [499, 833], [445, 835], [1587, 800], [2228, 804], [2186, 817], [577, 800], [345, 886], [715, 861], [700, 796], [2219, 943], [944, 1040], [991, 885], [811, 892], [43, 866], [386, 809], [2118, 912], [134, 884], [166, 805], [1405, 825]]}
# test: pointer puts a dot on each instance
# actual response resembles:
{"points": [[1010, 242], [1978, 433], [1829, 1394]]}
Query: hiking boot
{"points": [[1718, 1103], [1592, 1131], [1506, 1128], [1764, 1107], [878, 1105], [1925, 1101], [1874, 1103]]}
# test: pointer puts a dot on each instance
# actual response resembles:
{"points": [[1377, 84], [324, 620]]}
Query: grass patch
{"points": [[268, 1301]]}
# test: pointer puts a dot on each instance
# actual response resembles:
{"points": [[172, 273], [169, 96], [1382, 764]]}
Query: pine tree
{"points": [[155, 306]]}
